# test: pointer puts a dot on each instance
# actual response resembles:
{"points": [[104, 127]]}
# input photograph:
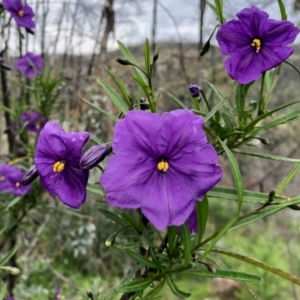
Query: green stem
{"points": [[261, 105]]}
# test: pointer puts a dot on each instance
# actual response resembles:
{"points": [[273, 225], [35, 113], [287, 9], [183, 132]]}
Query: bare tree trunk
{"points": [[202, 5], [108, 13], [154, 22], [45, 10]]}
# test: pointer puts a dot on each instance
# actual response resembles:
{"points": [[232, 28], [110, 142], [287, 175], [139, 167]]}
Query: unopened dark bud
{"points": [[28, 30], [194, 90], [94, 156], [5, 67], [265, 141], [90, 295], [144, 104], [155, 57], [123, 61], [30, 175]]}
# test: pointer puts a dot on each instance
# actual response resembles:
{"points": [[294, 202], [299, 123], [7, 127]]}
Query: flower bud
{"points": [[29, 176], [195, 90], [111, 240], [155, 57], [94, 156], [10, 270], [90, 295], [144, 104], [123, 61]]}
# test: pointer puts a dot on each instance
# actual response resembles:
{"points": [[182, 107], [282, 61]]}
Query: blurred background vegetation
{"points": [[65, 248]]}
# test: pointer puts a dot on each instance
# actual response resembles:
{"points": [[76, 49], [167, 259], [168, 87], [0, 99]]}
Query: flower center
{"points": [[2, 178], [162, 166], [17, 184], [21, 13], [58, 166], [256, 43]]}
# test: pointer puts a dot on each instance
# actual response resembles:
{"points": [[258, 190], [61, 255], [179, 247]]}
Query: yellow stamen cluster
{"points": [[58, 166], [17, 184], [162, 166], [21, 13], [256, 43]]}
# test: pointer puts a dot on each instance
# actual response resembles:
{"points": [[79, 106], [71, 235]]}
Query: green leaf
{"points": [[251, 125], [9, 255], [172, 231], [134, 285], [2, 292], [175, 290], [113, 217], [268, 156], [238, 180], [95, 139], [95, 188], [102, 111], [219, 105], [120, 85], [13, 202], [147, 57], [219, 9], [128, 245], [177, 101], [114, 96], [259, 264], [154, 291], [96, 286], [131, 58], [249, 196], [141, 259], [111, 295], [282, 10], [202, 215], [287, 179], [224, 274], [145, 87], [186, 241], [282, 120]]}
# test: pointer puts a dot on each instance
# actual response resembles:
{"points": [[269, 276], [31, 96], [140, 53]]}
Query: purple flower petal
{"points": [[255, 44], [162, 167], [57, 158], [30, 64]]}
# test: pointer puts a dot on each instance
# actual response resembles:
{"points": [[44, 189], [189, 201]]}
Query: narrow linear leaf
{"points": [[287, 179], [114, 96], [175, 290], [134, 285], [2, 292], [224, 274], [131, 58], [147, 57], [268, 156], [259, 264], [177, 101], [111, 295], [248, 196], [9, 255], [144, 86], [186, 241], [202, 215], [95, 188], [238, 181], [102, 111], [141, 259], [154, 291], [128, 245], [172, 231], [282, 10], [113, 217], [219, 105]]}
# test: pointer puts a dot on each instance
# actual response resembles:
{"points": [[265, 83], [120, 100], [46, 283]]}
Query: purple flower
{"points": [[255, 44], [10, 180], [57, 158], [22, 14], [57, 293], [192, 221], [194, 90], [31, 119], [9, 298], [162, 164], [30, 64]]}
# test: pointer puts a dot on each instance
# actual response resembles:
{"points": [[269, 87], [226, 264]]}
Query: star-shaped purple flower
{"points": [[30, 64], [255, 44], [21, 13], [31, 119], [10, 180], [57, 158], [162, 164]]}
